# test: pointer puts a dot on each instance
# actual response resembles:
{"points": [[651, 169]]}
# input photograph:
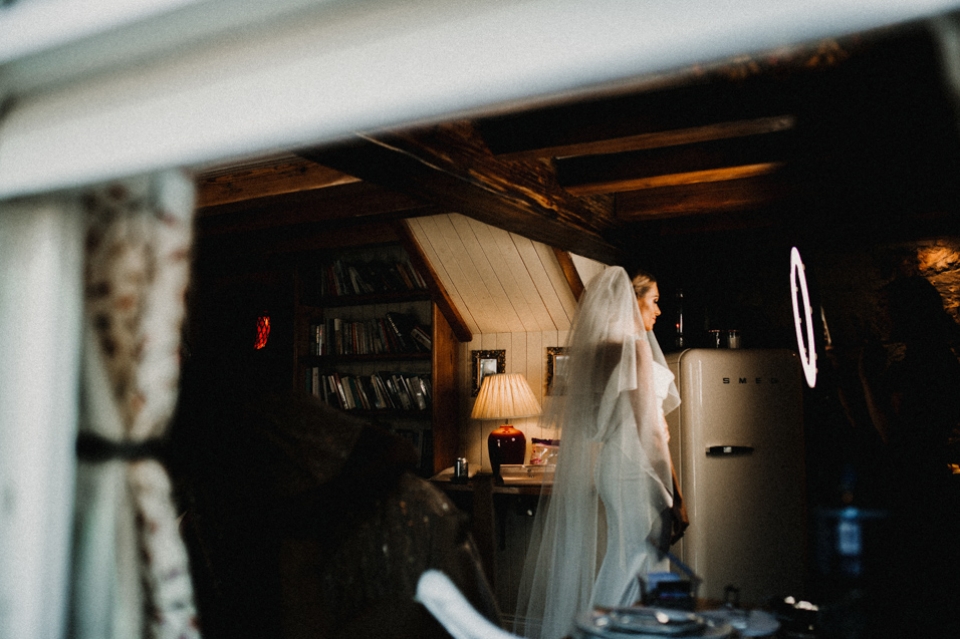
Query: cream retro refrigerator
{"points": [[737, 444]]}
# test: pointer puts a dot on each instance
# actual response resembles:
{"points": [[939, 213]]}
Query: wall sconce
{"points": [[505, 396], [263, 331]]}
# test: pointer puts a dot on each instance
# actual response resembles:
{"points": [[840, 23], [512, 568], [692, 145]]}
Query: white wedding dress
{"points": [[613, 466], [623, 479]]}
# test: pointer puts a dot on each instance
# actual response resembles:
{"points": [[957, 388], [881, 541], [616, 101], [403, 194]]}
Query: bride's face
{"points": [[649, 310]]}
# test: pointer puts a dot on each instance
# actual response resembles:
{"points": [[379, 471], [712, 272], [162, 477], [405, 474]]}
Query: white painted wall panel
{"points": [[541, 280], [477, 252], [527, 300], [467, 278], [558, 281], [499, 251], [526, 353], [500, 282], [446, 266]]}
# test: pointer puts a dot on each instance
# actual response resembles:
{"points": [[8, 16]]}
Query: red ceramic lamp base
{"points": [[507, 445]]}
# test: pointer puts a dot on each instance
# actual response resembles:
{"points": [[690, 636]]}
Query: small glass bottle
{"points": [[679, 341]]}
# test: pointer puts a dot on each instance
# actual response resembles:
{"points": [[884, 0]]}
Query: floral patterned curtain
{"points": [[130, 570]]}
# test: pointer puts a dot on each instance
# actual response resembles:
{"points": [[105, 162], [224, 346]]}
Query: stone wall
{"points": [[849, 282]]}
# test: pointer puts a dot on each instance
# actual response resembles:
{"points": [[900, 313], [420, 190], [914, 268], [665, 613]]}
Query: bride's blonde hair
{"points": [[642, 282]]}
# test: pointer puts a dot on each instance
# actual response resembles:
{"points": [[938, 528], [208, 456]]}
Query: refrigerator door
{"points": [[737, 444]]}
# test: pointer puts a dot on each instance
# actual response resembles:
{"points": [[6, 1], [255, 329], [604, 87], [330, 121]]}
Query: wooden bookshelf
{"points": [[315, 305]]}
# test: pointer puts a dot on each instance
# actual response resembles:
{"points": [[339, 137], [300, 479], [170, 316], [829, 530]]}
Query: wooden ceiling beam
{"points": [[677, 179], [701, 198], [700, 103], [460, 179], [703, 106], [276, 245], [458, 149], [277, 176], [641, 141], [714, 161], [353, 200]]}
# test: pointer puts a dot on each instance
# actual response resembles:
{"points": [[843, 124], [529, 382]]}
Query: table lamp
{"points": [[505, 396]]}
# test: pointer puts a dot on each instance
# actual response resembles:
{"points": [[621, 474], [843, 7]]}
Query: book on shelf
{"points": [[408, 391], [388, 336], [336, 334], [339, 285], [387, 397], [353, 346], [330, 393], [384, 390], [362, 277], [320, 385], [418, 278], [402, 324], [355, 392], [421, 337], [411, 277], [405, 275], [386, 277], [317, 343], [416, 391], [366, 390], [348, 400], [363, 402], [393, 333], [393, 391], [358, 284], [337, 384], [381, 340], [376, 399], [427, 388]]}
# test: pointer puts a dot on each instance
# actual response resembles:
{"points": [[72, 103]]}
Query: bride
{"points": [[614, 465]]}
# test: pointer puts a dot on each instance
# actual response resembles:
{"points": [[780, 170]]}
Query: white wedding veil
{"points": [[606, 388]]}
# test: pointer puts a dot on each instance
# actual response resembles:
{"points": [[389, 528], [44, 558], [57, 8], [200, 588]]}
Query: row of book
{"points": [[363, 278], [379, 391], [390, 334]]}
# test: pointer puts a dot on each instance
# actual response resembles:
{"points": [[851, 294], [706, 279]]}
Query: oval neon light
{"points": [[806, 347]]}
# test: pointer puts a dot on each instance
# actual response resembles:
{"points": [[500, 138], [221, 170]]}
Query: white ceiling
{"points": [[500, 282]]}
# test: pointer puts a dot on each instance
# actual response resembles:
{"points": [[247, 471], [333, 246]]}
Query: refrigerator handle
{"points": [[726, 451]]}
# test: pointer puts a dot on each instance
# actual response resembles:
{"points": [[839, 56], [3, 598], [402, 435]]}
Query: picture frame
{"points": [[557, 359], [486, 363]]}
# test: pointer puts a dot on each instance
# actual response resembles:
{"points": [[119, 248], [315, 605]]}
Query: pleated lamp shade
{"points": [[505, 396]]}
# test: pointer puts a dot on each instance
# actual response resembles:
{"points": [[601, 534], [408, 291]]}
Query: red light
{"points": [[263, 331]]}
